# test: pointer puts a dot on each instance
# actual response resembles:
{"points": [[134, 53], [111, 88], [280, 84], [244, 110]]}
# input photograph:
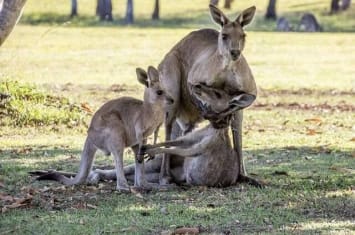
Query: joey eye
{"points": [[224, 37], [160, 92]]}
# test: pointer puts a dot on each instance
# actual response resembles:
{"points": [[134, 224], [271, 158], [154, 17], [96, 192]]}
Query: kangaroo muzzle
{"points": [[235, 54]]}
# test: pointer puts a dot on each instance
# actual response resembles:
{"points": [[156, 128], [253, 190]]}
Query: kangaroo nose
{"points": [[235, 54], [169, 100]]}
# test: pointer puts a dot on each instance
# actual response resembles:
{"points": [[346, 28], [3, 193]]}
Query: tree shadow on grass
{"points": [[309, 191], [199, 19], [174, 21]]}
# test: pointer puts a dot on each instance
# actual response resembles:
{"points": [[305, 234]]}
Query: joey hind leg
{"points": [[122, 184]]}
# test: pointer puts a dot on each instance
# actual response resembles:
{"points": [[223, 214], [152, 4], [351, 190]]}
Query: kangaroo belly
{"points": [[212, 170]]}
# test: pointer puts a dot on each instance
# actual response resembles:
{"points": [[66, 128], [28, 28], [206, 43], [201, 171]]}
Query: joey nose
{"points": [[235, 54]]}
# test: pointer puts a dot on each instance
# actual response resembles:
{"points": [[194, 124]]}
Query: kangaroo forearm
{"points": [[183, 152], [169, 143]]}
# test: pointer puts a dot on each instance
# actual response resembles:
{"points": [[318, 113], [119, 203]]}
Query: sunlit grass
{"points": [[108, 56], [305, 155]]}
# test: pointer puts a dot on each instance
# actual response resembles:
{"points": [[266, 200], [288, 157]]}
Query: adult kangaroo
{"points": [[214, 59]]}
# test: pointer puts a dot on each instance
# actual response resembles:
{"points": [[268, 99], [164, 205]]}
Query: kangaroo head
{"points": [[214, 100], [153, 92], [231, 38]]}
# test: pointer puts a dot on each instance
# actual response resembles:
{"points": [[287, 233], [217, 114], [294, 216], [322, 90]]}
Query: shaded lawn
{"points": [[310, 180]]}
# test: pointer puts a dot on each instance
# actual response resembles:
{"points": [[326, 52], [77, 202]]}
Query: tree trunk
{"points": [[345, 4], [10, 13], [227, 4], [271, 10], [155, 15], [334, 6], [129, 12], [104, 10], [214, 2], [74, 8]]}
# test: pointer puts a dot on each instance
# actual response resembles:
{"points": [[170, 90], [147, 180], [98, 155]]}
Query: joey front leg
{"points": [[139, 176], [139, 160], [156, 132]]}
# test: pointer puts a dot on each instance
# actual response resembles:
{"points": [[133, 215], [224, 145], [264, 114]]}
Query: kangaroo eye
{"points": [[160, 92], [224, 36]]}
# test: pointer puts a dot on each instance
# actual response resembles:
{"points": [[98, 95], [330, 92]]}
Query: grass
{"points": [[298, 137], [25, 106]]}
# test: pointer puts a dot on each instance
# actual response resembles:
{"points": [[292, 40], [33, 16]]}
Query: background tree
{"points": [[271, 10], [334, 6], [155, 15], [9, 14], [337, 5], [74, 8], [227, 4], [129, 19], [104, 10], [345, 4]]}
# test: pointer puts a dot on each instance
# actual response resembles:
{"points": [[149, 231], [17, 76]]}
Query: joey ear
{"points": [[246, 16], [142, 76], [242, 101], [153, 74], [218, 16]]}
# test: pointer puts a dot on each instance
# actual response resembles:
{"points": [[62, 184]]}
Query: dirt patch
{"points": [[340, 107], [304, 91]]}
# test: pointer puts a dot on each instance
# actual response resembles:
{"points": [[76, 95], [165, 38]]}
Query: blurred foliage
{"points": [[25, 105]]}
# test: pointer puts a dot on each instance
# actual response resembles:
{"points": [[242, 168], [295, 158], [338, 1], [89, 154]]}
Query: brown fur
{"points": [[211, 58], [121, 123], [209, 158]]}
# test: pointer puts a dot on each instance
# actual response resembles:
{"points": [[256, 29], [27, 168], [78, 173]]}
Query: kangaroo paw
{"points": [[251, 181]]}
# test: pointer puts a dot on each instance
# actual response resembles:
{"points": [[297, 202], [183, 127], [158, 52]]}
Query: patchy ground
{"points": [[298, 137], [302, 150]]}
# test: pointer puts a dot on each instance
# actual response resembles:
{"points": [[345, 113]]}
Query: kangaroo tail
{"points": [[86, 162]]}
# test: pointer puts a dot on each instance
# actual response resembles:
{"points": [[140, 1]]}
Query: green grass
{"points": [[24, 105], [298, 137]]}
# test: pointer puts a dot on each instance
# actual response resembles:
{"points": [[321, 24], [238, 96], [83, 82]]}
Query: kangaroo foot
{"points": [[251, 181], [123, 187], [146, 186], [165, 183], [165, 180]]}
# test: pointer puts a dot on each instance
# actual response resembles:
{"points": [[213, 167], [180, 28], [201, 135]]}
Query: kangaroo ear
{"points": [[142, 76], [246, 16], [242, 101], [153, 74], [218, 16]]}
